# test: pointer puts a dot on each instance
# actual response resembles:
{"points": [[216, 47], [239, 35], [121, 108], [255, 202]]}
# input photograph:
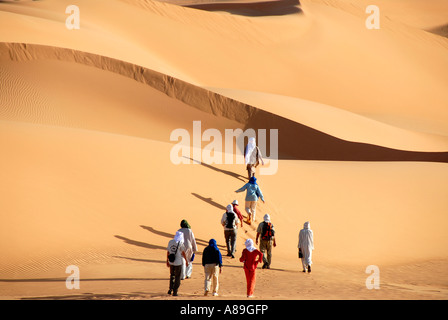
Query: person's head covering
{"points": [[179, 237], [249, 245], [212, 243], [235, 202], [184, 224], [253, 180], [267, 218], [229, 208], [306, 225], [251, 145]]}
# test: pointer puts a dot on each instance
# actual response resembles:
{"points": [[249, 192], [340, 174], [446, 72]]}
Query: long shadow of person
{"points": [[168, 235], [209, 201], [140, 243], [227, 172]]}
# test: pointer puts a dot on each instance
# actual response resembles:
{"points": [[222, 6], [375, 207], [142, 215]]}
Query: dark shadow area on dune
{"points": [[140, 243], [252, 9], [440, 30], [142, 260], [299, 142], [96, 296], [210, 202], [295, 140], [158, 232], [199, 241], [81, 279], [227, 172]]}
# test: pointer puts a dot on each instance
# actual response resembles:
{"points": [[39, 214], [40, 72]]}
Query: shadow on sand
{"points": [[252, 9], [229, 173], [140, 243], [171, 236], [210, 201]]}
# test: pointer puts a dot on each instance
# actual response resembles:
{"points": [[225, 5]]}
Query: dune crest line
{"points": [[296, 141]]}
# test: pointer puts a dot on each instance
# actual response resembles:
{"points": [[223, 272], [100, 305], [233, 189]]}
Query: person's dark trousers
{"points": [[230, 236], [250, 170], [175, 272]]}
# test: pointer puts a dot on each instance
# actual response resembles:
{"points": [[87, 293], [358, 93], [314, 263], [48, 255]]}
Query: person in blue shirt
{"points": [[253, 192]]}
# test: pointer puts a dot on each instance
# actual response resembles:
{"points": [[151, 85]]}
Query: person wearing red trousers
{"points": [[238, 213], [251, 256]]}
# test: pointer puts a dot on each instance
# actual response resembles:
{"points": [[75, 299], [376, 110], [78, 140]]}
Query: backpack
{"points": [[267, 232], [230, 219], [172, 256]]}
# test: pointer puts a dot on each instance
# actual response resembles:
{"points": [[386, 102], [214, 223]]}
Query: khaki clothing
{"points": [[211, 277]]}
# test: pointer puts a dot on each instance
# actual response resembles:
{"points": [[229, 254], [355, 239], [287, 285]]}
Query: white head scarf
{"points": [[249, 245], [230, 208], [249, 149], [306, 225], [179, 237], [267, 218]]}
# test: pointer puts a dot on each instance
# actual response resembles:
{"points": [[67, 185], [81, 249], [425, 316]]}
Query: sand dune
{"points": [[86, 117], [314, 145], [257, 53]]}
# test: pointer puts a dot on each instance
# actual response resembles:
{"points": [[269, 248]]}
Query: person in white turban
{"points": [[230, 223], [266, 234], [306, 246], [174, 259], [250, 256], [252, 157]]}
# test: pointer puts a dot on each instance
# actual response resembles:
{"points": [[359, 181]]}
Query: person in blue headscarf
{"points": [[212, 262], [253, 192]]}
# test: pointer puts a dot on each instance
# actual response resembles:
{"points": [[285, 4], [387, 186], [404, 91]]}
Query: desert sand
{"points": [[86, 117]]}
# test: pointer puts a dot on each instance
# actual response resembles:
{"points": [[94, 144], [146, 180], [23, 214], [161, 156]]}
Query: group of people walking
{"points": [[182, 249]]}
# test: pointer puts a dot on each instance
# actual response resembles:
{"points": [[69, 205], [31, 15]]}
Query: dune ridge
{"points": [[87, 177], [314, 145], [398, 56]]}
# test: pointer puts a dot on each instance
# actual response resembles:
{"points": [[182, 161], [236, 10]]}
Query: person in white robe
{"points": [[191, 248], [306, 246], [252, 157]]}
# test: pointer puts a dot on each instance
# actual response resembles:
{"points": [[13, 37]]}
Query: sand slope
{"points": [[260, 53], [314, 144], [86, 117]]}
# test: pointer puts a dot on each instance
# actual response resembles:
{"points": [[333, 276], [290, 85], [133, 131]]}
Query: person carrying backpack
{"points": [[266, 233], [174, 256], [230, 221]]}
